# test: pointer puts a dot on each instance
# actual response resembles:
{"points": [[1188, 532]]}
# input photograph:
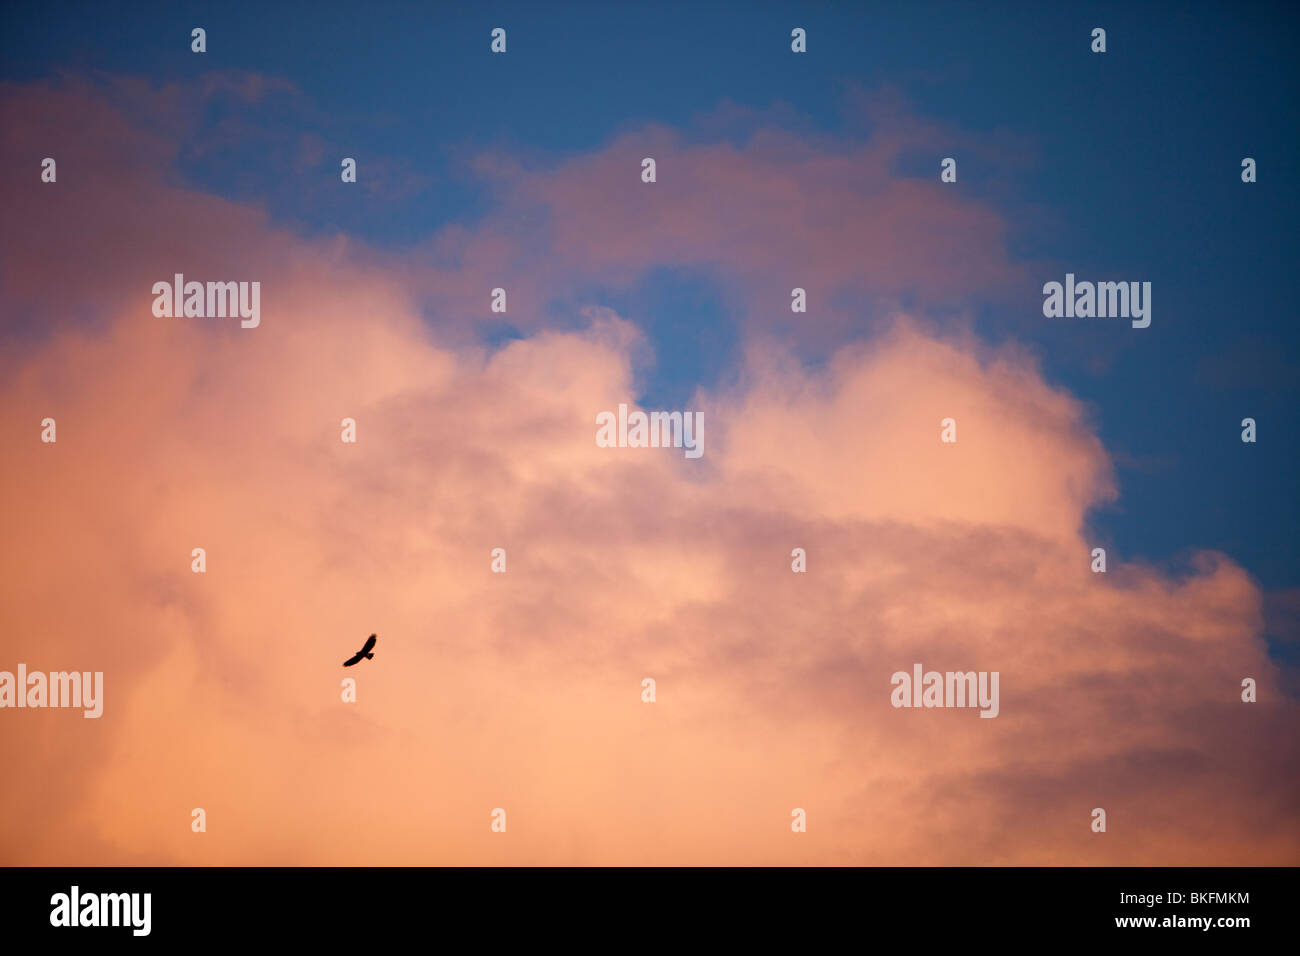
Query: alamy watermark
{"points": [[654, 430], [212, 300], [57, 689], [1103, 300], [950, 689]]}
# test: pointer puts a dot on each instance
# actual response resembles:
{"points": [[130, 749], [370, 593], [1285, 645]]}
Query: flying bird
{"points": [[364, 652]]}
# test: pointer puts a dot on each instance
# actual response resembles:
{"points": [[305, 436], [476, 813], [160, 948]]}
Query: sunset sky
{"points": [[523, 690]]}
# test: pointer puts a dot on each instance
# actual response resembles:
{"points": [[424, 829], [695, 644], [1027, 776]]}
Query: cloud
{"points": [[762, 204], [522, 690], [774, 211]]}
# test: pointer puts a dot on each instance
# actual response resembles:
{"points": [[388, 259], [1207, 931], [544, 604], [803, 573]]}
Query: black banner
{"points": [[1148, 906]]}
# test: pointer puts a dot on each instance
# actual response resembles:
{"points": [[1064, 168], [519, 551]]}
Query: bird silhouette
{"points": [[364, 652]]}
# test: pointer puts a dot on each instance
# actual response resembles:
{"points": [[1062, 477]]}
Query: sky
{"points": [[523, 690]]}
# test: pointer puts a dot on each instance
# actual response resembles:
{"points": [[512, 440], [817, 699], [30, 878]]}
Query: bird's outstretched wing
{"points": [[353, 659], [370, 643]]}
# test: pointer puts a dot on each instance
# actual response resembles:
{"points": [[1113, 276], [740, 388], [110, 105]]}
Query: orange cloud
{"points": [[523, 690]]}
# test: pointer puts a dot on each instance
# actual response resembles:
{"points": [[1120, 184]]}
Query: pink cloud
{"points": [[522, 690]]}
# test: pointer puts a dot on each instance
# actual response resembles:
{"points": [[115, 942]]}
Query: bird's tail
{"points": [[370, 656]]}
